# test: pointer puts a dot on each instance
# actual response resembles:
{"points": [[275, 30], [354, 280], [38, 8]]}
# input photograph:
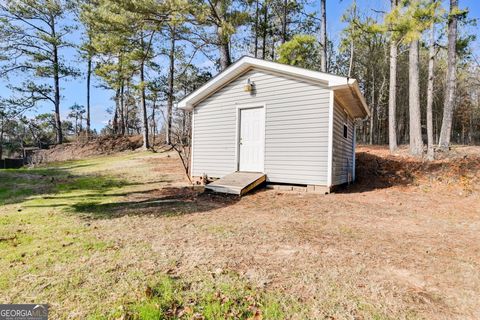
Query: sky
{"points": [[74, 90]]}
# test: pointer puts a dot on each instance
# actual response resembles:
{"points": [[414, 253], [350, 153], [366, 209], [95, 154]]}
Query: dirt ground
{"points": [[401, 243], [411, 248]]}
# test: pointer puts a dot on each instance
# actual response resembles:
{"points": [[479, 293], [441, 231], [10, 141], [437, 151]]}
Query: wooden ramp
{"points": [[237, 183]]}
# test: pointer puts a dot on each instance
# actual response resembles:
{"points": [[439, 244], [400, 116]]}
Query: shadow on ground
{"points": [[103, 197], [170, 201], [19, 185], [95, 197]]}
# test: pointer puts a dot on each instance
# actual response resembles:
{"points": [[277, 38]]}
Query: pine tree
{"points": [[323, 36], [449, 102], [87, 51], [392, 96], [411, 20], [301, 51], [34, 32], [430, 81], [225, 18], [130, 35]]}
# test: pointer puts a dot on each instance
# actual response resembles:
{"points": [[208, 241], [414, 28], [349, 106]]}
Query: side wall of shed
{"points": [[343, 148], [296, 128]]}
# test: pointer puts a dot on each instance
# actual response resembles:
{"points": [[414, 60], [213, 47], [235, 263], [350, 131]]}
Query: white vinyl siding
{"points": [[342, 148], [296, 129]]}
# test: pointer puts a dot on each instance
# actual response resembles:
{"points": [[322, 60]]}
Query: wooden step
{"points": [[238, 183]]}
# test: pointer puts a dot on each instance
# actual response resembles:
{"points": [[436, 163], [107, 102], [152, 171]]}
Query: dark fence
{"points": [[11, 163]]}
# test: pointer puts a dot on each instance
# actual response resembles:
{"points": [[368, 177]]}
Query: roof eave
{"points": [[184, 106], [238, 68], [353, 84], [361, 98]]}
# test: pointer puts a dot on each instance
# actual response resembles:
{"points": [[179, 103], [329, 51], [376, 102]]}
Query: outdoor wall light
{"points": [[248, 87]]}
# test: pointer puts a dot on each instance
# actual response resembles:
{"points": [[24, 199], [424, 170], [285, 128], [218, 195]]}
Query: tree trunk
{"points": [[171, 75], [373, 111], [126, 111], [89, 75], [416, 144], [284, 21], [122, 108], [143, 103], [56, 79], [256, 30], [272, 54], [381, 122], [1, 136], [323, 36], [265, 27], [350, 64], [431, 69], [392, 96], [224, 48], [115, 115], [449, 102], [184, 123], [154, 129], [470, 128], [352, 44]]}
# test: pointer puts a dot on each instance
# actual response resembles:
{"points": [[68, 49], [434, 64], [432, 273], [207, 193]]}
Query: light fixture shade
{"points": [[248, 86]]}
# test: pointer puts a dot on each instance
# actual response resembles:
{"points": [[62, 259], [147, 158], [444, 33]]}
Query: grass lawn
{"points": [[51, 252], [123, 236]]}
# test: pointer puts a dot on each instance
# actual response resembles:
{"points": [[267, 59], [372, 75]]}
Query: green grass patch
{"points": [[93, 183], [170, 299], [17, 185]]}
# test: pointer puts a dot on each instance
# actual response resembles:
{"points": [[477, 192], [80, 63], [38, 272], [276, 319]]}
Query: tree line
{"points": [[415, 63]]}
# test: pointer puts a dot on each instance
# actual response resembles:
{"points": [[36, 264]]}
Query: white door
{"points": [[251, 140]]}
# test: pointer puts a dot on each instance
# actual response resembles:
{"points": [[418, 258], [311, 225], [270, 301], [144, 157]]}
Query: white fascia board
{"points": [[247, 63], [216, 82], [361, 98], [353, 84], [323, 78]]}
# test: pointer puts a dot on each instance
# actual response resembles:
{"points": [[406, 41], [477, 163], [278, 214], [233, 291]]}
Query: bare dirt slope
{"points": [[104, 145], [457, 170]]}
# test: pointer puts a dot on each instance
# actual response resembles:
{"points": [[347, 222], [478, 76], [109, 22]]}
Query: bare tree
{"points": [[181, 142]]}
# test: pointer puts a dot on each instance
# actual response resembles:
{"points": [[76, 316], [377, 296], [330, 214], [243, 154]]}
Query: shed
{"points": [[296, 126]]}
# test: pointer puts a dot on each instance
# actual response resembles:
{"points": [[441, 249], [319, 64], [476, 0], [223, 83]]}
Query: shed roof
{"points": [[347, 91]]}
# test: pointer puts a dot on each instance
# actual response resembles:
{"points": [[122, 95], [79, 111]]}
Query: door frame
{"points": [[239, 108]]}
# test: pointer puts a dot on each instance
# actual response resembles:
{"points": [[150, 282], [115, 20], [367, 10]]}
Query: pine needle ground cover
{"points": [[124, 236]]}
